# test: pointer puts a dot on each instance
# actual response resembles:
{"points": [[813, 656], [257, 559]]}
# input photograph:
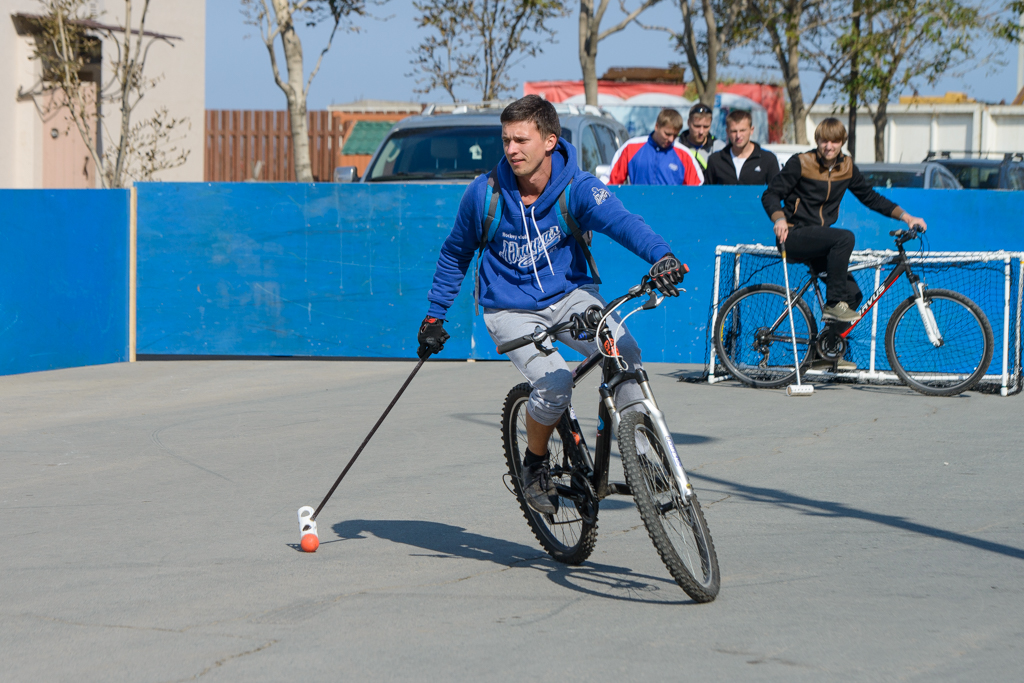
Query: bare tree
{"points": [[69, 43], [710, 30], [278, 21], [443, 60], [479, 41], [591, 34]]}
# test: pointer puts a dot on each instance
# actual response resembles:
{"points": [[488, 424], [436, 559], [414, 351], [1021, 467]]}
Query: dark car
{"points": [[929, 176], [458, 147], [983, 172]]}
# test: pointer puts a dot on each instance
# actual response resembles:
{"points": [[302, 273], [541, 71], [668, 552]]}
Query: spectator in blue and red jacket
{"points": [[657, 159]]}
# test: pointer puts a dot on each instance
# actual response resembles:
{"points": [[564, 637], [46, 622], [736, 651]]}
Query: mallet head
{"points": [[308, 538], [799, 390]]}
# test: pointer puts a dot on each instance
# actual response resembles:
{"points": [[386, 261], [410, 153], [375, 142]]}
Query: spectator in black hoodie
{"points": [[742, 162]]}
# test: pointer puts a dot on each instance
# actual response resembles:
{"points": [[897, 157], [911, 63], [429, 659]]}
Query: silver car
{"points": [[929, 176], [458, 147]]}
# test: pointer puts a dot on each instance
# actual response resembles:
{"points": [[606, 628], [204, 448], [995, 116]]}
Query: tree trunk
{"points": [[796, 101], [853, 87], [786, 46], [295, 93], [880, 119], [711, 82], [117, 174], [588, 49]]}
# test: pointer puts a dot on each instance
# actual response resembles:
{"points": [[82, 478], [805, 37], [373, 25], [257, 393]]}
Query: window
{"points": [[940, 181], [976, 176], [895, 178], [1016, 177], [590, 152], [606, 141], [429, 153]]}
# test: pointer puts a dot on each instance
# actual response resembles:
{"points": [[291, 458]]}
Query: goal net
{"points": [[992, 279]]}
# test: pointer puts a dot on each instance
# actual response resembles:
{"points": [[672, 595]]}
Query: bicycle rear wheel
{"points": [[568, 535], [955, 366], [676, 525], [753, 339]]}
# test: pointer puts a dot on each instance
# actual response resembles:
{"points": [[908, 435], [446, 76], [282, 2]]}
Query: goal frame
{"points": [[878, 259]]}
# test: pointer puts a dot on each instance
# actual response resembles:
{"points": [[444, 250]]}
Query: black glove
{"points": [[667, 273], [431, 337]]}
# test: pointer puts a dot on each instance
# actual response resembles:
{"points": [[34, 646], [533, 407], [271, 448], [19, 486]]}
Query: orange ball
{"points": [[310, 543]]}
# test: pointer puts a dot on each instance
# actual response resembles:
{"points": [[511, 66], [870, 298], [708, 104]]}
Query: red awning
{"points": [[768, 96]]}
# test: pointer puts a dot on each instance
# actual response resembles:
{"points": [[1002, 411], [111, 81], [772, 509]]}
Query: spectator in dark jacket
{"points": [[697, 139], [742, 162], [803, 201]]}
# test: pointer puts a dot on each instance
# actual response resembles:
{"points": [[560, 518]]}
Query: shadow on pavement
{"points": [[824, 508], [448, 541]]}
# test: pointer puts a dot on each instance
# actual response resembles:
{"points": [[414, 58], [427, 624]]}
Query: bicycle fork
{"points": [[924, 308], [649, 403]]}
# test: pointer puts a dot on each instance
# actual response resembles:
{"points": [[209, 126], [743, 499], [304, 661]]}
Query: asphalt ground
{"points": [[149, 531]]}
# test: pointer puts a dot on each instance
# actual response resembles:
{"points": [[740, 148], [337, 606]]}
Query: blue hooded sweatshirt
{"points": [[531, 263]]}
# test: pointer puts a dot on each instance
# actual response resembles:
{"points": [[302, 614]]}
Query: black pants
{"points": [[827, 250]]}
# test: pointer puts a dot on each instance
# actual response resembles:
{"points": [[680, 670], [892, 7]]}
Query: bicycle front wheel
{"points": [[675, 524], [568, 535], [753, 339], [958, 363]]}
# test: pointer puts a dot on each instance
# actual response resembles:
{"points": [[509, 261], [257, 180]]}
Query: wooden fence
{"points": [[236, 141]]}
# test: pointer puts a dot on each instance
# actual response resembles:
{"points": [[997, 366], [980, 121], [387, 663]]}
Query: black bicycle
{"points": [[654, 473], [938, 341]]}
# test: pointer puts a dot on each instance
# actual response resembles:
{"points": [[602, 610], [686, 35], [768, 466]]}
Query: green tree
{"points": [[476, 43], [793, 31], [903, 43]]}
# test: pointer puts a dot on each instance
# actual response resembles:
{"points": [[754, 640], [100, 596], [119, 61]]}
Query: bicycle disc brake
{"points": [[830, 344]]}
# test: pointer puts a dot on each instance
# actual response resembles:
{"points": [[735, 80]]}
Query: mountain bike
{"points": [[938, 342], [654, 473]]}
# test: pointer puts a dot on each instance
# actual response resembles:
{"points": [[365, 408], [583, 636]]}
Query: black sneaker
{"points": [[538, 488]]}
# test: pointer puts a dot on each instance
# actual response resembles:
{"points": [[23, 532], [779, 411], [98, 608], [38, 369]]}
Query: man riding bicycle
{"points": [[812, 184], [527, 219]]}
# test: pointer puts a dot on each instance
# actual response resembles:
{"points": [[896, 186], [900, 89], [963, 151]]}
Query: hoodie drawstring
{"points": [[529, 243], [543, 244]]}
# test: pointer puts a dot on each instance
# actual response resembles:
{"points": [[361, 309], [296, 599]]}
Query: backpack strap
{"points": [[492, 199], [569, 226]]}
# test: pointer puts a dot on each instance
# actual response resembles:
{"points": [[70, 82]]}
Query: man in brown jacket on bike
{"points": [[803, 201]]}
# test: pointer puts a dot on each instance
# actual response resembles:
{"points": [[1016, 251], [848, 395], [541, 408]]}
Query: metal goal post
{"points": [[992, 279]]}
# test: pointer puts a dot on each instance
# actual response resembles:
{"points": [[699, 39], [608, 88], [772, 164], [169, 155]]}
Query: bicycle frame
{"points": [[608, 418], [902, 266]]}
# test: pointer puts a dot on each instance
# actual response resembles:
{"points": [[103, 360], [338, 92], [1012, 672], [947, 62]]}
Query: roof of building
{"points": [[377, 106], [645, 74], [948, 98], [366, 136]]}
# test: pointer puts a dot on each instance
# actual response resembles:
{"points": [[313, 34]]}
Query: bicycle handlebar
{"points": [[905, 235], [585, 323]]}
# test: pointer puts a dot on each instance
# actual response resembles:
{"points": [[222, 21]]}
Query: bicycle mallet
{"points": [[797, 389], [309, 540]]}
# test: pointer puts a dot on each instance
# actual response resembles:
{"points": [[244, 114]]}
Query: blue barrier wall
{"points": [[343, 270], [64, 259]]}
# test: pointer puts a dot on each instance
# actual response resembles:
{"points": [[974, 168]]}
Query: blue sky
{"points": [[374, 63]]}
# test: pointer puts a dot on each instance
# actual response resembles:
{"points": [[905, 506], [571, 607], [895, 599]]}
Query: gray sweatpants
{"points": [[550, 375]]}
